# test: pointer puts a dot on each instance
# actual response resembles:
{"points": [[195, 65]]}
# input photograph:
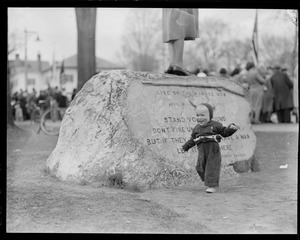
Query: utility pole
{"points": [[26, 60]]}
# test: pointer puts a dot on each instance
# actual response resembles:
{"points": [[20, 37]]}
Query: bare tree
{"points": [[235, 51], [277, 49], [209, 47], [86, 47], [213, 31], [142, 39], [293, 15]]}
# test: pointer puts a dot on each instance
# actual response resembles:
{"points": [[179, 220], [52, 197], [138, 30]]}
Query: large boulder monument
{"points": [[134, 123]]}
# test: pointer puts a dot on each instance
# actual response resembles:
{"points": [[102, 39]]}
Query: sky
{"points": [[56, 28]]}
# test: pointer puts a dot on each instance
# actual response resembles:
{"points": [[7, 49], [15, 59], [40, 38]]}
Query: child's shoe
{"points": [[210, 190]]}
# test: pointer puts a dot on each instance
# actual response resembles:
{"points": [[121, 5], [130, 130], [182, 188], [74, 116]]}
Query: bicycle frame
{"points": [[51, 116]]}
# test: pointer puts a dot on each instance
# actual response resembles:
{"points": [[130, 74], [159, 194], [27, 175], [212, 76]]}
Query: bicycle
{"points": [[36, 114], [48, 120], [51, 120]]}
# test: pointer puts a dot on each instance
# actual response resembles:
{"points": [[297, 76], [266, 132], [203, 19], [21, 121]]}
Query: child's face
{"points": [[202, 115]]}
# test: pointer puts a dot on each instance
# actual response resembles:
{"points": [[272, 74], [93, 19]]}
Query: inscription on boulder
{"points": [[134, 124]]}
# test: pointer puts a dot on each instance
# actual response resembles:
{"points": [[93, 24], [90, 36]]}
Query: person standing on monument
{"points": [[178, 25], [206, 135]]}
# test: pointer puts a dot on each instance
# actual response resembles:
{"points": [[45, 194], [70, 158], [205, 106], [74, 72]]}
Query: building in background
{"points": [[35, 70], [42, 75], [66, 72]]}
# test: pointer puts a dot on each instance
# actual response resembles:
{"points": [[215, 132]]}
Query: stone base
{"points": [[131, 125]]}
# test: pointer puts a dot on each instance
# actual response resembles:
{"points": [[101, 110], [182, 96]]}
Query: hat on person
{"points": [[223, 71], [249, 65], [210, 109]]}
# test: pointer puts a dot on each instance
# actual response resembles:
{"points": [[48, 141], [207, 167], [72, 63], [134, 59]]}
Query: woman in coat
{"points": [[256, 89], [179, 24], [268, 99]]}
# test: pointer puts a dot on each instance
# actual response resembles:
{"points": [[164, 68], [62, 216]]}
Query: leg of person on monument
{"points": [[176, 58], [178, 25]]}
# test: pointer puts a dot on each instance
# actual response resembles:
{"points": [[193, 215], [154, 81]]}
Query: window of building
{"points": [[66, 78], [31, 81]]}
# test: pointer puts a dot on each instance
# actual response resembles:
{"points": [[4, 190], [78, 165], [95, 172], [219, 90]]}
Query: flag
{"points": [[254, 42], [53, 67], [62, 70]]}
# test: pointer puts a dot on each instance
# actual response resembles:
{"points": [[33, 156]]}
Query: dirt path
{"points": [[257, 202]]}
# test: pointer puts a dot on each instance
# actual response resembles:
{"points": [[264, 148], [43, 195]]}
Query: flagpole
{"points": [[62, 70], [254, 41], [256, 26], [53, 65]]}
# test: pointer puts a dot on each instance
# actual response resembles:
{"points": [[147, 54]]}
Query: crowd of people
{"points": [[270, 89], [24, 103]]}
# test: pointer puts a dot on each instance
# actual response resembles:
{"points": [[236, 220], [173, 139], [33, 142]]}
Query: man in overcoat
{"points": [[283, 96]]}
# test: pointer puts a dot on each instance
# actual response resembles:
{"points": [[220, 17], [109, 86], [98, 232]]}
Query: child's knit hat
{"points": [[210, 109]]}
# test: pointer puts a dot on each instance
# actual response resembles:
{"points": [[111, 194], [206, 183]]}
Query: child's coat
{"points": [[209, 156]]}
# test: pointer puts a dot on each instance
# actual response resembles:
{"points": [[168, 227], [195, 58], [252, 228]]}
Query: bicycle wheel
{"points": [[51, 121], [36, 120]]}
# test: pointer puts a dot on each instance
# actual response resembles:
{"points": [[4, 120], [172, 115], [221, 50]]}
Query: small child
{"points": [[206, 136]]}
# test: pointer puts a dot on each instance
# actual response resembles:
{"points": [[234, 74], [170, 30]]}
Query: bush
{"points": [[116, 180]]}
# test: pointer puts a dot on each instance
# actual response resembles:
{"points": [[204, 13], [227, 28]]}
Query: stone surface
{"points": [[134, 123]]}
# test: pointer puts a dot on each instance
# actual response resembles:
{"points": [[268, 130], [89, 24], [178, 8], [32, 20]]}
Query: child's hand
{"points": [[233, 126], [181, 150]]}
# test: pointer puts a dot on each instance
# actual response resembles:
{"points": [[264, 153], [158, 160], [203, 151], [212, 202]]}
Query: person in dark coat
{"points": [[283, 97], [62, 100], [23, 102], [206, 135]]}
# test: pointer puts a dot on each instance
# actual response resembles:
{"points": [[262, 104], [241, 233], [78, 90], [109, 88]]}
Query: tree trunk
{"points": [[9, 116], [86, 30], [294, 55]]}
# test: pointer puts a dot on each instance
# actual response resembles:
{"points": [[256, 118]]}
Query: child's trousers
{"points": [[209, 163]]}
